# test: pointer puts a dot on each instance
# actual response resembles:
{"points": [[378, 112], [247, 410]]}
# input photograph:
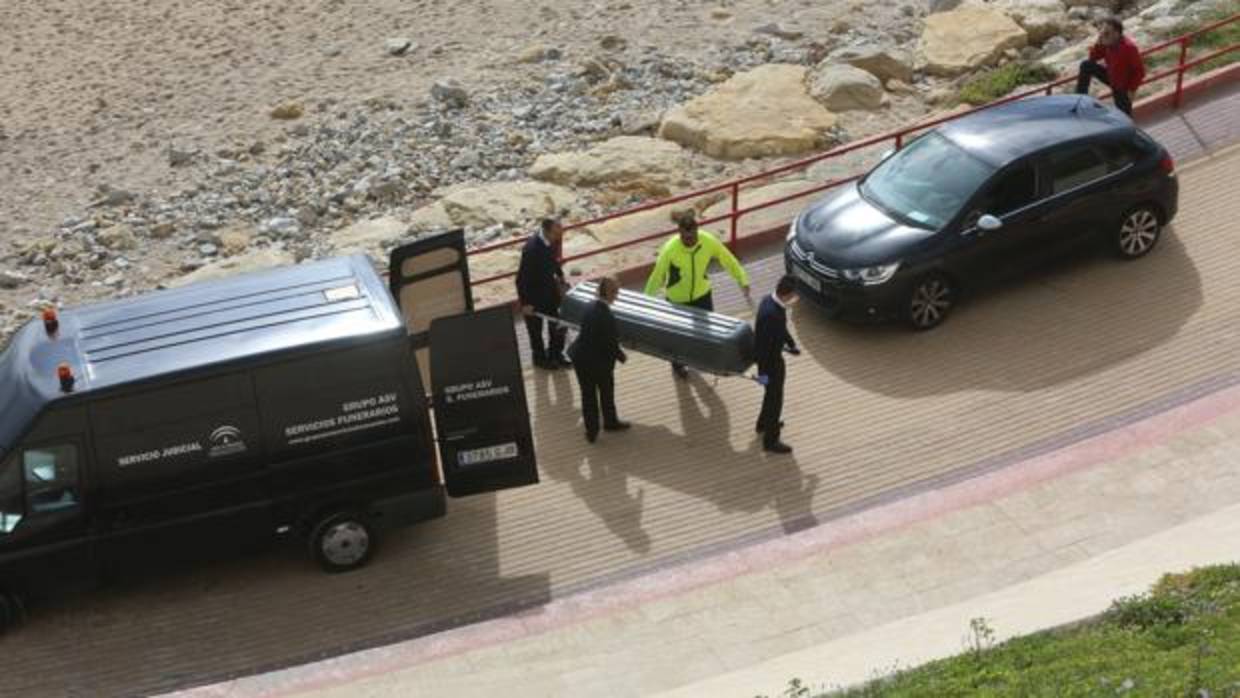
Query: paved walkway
{"points": [[895, 586], [678, 553], [1068, 425]]}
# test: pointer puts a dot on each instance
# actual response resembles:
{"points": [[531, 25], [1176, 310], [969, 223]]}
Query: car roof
{"points": [[1008, 132], [210, 323]]}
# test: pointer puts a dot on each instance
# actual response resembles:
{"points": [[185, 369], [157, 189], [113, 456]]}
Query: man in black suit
{"points": [[540, 289], [595, 353], [771, 338]]}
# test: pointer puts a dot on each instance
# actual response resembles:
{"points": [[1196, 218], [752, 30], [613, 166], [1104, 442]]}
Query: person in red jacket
{"points": [[1124, 68]]}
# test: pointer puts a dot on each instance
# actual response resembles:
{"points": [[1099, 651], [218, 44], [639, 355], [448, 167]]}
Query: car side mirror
{"points": [[989, 223]]}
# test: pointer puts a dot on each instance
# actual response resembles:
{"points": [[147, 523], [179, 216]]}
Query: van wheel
{"points": [[342, 541], [12, 611]]}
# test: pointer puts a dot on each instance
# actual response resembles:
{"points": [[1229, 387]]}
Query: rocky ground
{"points": [[146, 144]]}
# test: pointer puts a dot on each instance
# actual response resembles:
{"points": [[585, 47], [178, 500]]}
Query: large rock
{"points": [[507, 203], [763, 112], [850, 164], [369, 236], [431, 217], [968, 38], [1041, 19], [253, 261], [843, 88], [626, 163], [767, 218], [883, 64]]}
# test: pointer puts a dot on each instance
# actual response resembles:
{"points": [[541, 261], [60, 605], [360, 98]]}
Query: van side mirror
{"points": [[989, 223]]}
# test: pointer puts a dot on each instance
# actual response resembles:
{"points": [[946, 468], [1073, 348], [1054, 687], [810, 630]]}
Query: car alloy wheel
{"points": [[342, 542], [1138, 233], [930, 301]]}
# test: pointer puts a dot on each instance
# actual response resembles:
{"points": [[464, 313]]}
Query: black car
{"points": [[979, 198]]}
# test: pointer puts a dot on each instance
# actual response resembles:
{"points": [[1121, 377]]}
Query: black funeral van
{"points": [[216, 417]]}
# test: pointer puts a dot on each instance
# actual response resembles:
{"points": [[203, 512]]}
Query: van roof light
{"points": [[51, 322], [65, 373]]}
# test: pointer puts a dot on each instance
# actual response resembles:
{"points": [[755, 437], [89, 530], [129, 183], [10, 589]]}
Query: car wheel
{"points": [[1139, 230], [342, 541], [930, 300]]}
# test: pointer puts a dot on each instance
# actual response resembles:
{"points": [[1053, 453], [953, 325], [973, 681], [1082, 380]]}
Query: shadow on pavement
{"points": [[213, 622], [608, 476], [1065, 320]]}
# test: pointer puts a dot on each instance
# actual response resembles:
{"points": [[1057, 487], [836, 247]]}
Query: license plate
{"points": [[807, 278], [489, 454]]}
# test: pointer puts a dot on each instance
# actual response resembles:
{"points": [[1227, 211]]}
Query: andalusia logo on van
{"points": [[226, 441]]}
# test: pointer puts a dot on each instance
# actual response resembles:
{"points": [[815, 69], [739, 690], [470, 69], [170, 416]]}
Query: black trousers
{"points": [[597, 386], [706, 302], [772, 404], [556, 331], [1093, 69]]}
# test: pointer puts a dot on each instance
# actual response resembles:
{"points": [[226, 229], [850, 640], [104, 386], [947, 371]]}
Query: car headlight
{"points": [[870, 276]]}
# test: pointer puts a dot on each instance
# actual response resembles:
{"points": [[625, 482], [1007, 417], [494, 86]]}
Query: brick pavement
{"points": [[881, 414]]}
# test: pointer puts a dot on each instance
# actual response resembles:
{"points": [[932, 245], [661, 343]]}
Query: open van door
{"points": [[429, 279], [481, 415]]}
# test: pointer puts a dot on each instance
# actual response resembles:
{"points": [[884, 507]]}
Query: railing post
{"points": [[736, 206], [899, 141], [1049, 90], [1179, 73]]}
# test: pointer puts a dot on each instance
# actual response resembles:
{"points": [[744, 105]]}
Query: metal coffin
{"points": [[707, 341]]}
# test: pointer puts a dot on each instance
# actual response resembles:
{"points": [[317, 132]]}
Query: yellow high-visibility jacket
{"points": [[682, 270]]}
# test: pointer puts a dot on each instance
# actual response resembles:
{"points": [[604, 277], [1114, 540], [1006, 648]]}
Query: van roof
{"points": [[181, 329]]}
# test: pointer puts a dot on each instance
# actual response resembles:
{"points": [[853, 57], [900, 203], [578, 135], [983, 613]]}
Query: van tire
{"points": [[342, 541]]}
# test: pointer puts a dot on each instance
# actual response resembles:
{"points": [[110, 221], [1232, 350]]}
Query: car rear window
{"points": [[1118, 154], [1073, 167]]}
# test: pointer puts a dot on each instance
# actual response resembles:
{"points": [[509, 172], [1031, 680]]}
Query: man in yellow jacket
{"points": [[681, 269]]}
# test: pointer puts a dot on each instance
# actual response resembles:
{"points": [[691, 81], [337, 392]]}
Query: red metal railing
{"points": [[732, 189]]}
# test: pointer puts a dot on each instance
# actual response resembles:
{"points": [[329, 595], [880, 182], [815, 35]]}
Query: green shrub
{"points": [[1182, 638], [1148, 611], [993, 84]]}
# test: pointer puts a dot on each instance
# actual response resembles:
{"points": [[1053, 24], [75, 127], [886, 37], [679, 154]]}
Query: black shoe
{"points": [[778, 447], [546, 364], [563, 362], [618, 425], [591, 436], [681, 372], [759, 428]]}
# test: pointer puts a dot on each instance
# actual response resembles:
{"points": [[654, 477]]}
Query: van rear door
{"points": [[481, 415]]}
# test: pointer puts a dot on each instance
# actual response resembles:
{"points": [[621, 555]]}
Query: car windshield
{"points": [[927, 182]]}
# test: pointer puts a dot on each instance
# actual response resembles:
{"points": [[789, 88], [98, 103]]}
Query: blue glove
{"points": [[795, 351], [763, 379]]}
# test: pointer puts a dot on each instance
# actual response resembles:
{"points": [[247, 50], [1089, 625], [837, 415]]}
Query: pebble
{"points": [[398, 47], [12, 280], [450, 92]]}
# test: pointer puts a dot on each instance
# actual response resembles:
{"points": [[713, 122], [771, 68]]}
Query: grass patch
{"points": [[1201, 45], [1182, 638], [999, 82]]}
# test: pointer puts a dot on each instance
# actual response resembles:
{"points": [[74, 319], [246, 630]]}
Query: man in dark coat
{"points": [[540, 289], [595, 353], [771, 338]]}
